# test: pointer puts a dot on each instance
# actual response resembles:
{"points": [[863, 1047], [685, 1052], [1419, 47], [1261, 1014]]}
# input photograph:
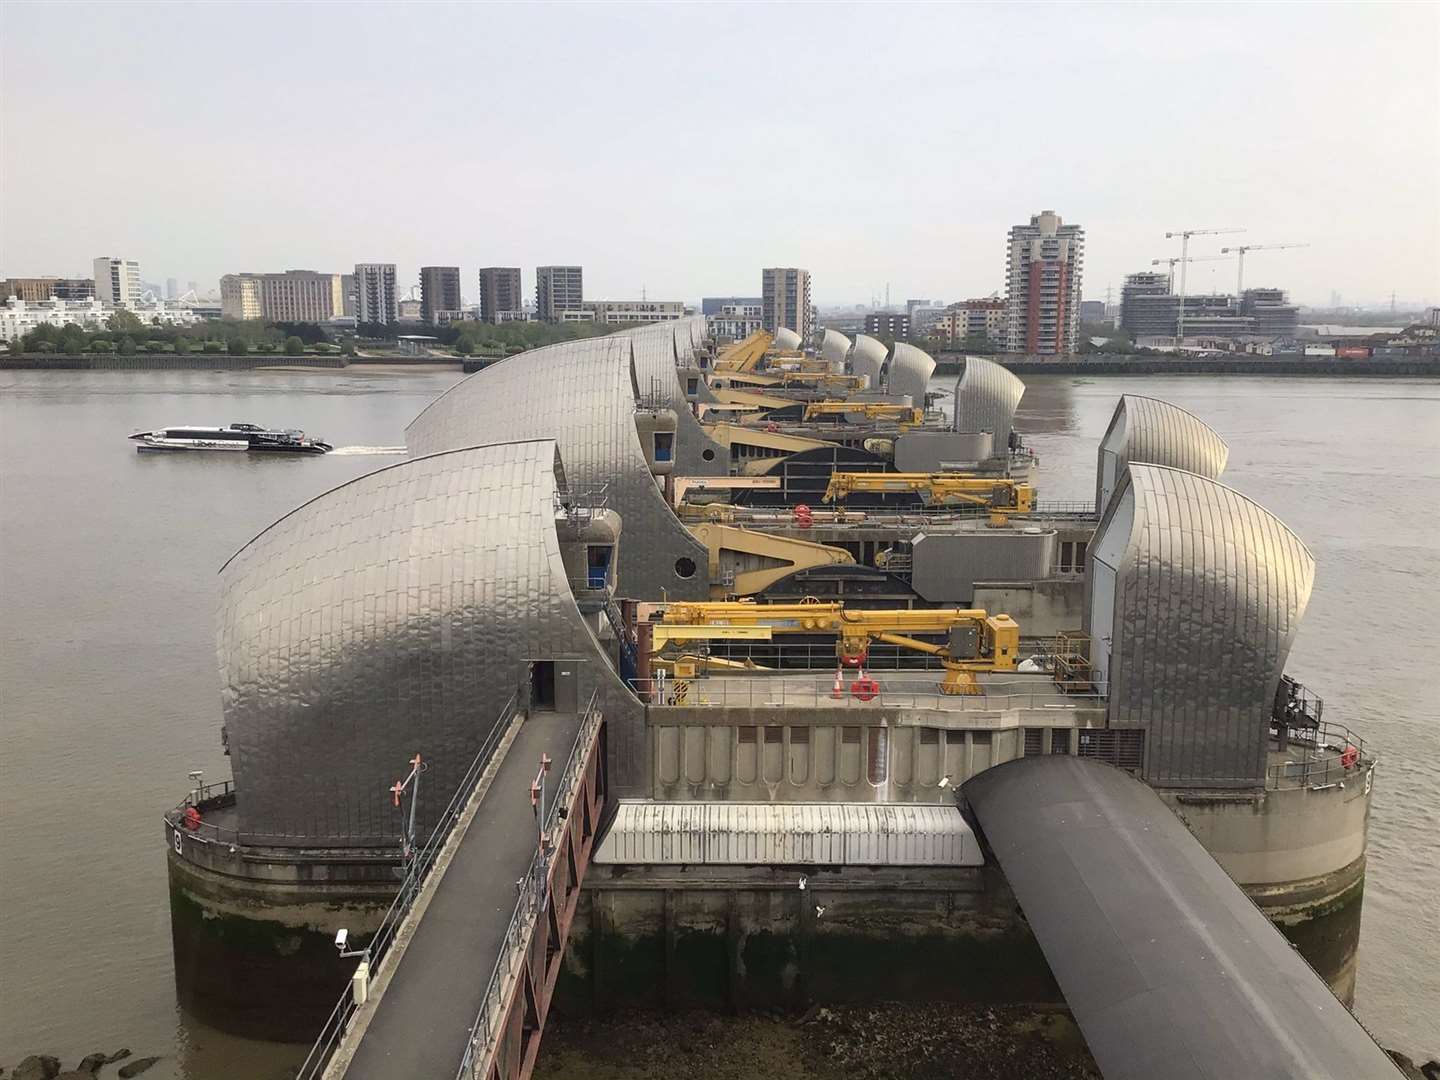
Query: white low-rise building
{"points": [[736, 322], [19, 317], [617, 312]]}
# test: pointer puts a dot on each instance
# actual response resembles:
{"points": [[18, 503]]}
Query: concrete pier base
{"points": [[257, 957]]}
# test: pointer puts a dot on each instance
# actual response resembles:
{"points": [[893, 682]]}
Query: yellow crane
{"points": [[905, 415], [999, 495], [975, 639]]}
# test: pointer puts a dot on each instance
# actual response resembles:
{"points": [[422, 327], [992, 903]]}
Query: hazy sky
{"points": [[680, 148]]}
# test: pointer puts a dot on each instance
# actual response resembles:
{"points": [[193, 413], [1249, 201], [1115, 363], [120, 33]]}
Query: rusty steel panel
{"points": [[393, 615], [910, 371], [1154, 431], [1194, 595], [986, 397], [583, 395]]}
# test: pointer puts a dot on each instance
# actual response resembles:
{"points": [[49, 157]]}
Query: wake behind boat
{"points": [[245, 437]]}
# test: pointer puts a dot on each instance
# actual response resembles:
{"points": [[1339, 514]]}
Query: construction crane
{"points": [[1185, 235], [975, 640], [1001, 496], [1240, 254], [870, 410]]}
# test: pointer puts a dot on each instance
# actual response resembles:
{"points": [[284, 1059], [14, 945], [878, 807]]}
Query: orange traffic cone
{"points": [[839, 691]]}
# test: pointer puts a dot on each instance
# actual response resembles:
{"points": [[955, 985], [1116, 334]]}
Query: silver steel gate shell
{"points": [[910, 371], [583, 395], [787, 340], [391, 616], [657, 351], [986, 399], [868, 359], [1154, 431], [834, 347], [1193, 598]]}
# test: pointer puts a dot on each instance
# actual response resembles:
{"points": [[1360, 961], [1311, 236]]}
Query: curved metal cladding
{"points": [[868, 359], [910, 371], [391, 616], [787, 340], [986, 398], [698, 331], [655, 353], [1193, 597], [1154, 431], [581, 394], [834, 347], [1170, 969]]}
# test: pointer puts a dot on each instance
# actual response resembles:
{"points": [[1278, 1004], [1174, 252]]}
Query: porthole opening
{"points": [[685, 567], [708, 454]]}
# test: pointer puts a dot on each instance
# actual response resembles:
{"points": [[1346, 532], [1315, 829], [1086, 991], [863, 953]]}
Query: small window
{"points": [[692, 386], [685, 567], [664, 445], [799, 736], [708, 454], [929, 736], [746, 736], [774, 736], [1034, 741], [851, 736]]}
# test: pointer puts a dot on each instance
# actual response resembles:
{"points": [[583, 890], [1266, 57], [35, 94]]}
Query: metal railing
{"points": [[1323, 760], [202, 798], [531, 902], [580, 506], [414, 880], [800, 692]]}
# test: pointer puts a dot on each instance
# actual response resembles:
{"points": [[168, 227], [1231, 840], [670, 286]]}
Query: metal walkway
{"points": [[1169, 968], [451, 994]]}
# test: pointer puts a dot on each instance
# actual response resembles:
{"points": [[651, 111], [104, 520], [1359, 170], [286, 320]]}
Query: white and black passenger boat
{"points": [[247, 437]]}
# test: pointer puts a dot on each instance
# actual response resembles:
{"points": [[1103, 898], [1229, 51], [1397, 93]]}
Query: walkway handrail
{"points": [[1328, 742], [220, 793], [782, 690], [410, 886], [531, 902]]}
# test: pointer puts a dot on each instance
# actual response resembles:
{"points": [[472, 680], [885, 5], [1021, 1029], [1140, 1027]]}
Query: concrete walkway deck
{"points": [[421, 1023]]}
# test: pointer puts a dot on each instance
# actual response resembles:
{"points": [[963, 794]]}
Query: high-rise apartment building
{"points": [[1042, 286], [500, 292], [1136, 313], [117, 281], [785, 296], [558, 289], [294, 296], [47, 288], [439, 292], [375, 299]]}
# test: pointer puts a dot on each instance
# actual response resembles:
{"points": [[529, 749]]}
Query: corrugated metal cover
{"points": [[910, 371], [581, 394], [947, 565], [986, 397], [868, 359], [1145, 429], [786, 834], [1170, 969], [1208, 592]]}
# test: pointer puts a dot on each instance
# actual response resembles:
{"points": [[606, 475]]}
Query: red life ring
{"points": [[192, 818], [865, 689], [1349, 757]]}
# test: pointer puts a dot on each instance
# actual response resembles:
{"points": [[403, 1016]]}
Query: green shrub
{"points": [[155, 346], [238, 347], [294, 346], [127, 345], [214, 346], [182, 346], [101, 345]]}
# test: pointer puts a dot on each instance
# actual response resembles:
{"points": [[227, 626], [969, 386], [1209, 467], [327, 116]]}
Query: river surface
{"points": [[109, 690]]}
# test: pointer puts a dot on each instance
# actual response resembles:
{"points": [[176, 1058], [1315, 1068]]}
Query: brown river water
{"points": [[109, 691]]}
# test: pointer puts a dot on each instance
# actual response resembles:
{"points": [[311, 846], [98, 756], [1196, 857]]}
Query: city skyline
{"points": [[923, 206]]}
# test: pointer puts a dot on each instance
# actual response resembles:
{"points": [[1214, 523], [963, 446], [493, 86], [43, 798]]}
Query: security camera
{"points": [[944, 781], [342, 936]]}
